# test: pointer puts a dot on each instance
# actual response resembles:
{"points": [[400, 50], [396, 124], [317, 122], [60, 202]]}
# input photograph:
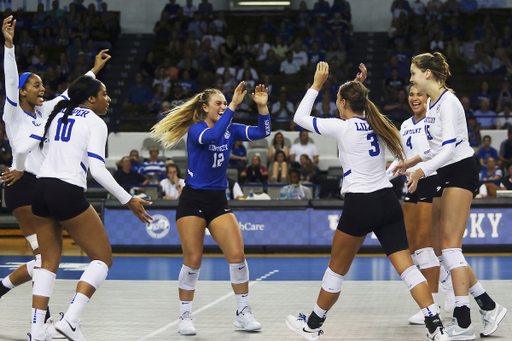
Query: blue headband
{"points": [[23, 79]]}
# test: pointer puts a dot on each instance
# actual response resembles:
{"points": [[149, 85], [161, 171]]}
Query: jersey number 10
{"points": [[64, 130]]}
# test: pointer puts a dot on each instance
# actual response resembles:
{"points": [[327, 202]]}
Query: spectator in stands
{"points": [[321, 8], [242, 54], [278, 144], [157, 98], [5, 150], [343, 7], [503, 94], [216, 39], [326, 99], [393, 85], [255, 172], [270, 65], [486, 151], [220, 22], [162, 27], [172, 8], [315, 55], [226, 66], [246, 66], [197, 25], [161, 78], [299, 55], [138, 96], [474, 133], [484, 94], [491, 173], [153, 167], [280, 48], [135, 165], [501, 63], [289, 66], [399, 110], [481, 62], [228, 48], [261, 48], [484, 116], [238, 158], [417, 8], [80, 8], [164, 110], [454, 30], [507, 180], [506, 149], [304, 147], [189, 9], [210, 64], [188, 85], [451, 8], [295, 190], [403, 70], [177, 96], [505, 39], [228, 81], [148, 66], [127, 177], [453, 50], [283, 109], [468, 7], [466, 104], [173, 184], [400, 6], [279, 168], [285, 32], [309, 172], [205, 9], [504, 119]]}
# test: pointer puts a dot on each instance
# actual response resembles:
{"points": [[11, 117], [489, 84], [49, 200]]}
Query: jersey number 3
{"points": [[218, 159], [64, 130], [375, 144]]}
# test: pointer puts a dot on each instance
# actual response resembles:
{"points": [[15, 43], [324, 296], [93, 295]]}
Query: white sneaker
{"points": [[455, 332], [491, 319], [245, 320], [299, 325], [49, 328], [186, 324], [438, 335], [46, 337], [70, 330], [417, 318]]}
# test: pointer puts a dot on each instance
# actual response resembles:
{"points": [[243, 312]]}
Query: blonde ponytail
{"points": [[178, 120]]}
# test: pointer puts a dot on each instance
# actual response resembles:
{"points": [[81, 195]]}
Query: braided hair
{"points": [[79, 92]]}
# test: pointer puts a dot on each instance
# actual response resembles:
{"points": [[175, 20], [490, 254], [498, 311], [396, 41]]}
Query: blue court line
{"points": [[290, 268]]}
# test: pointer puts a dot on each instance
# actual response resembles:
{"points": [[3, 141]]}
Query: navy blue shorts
{"points": [[202, 203], [21, 193]]}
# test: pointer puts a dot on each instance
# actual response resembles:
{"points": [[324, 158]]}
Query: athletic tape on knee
{"points": [[332, 282], [30, 268], [188, 278], [95, 274], [426, 258], [239, 273], [412, 276], [44, 284], [32, 239], [453, 259]]}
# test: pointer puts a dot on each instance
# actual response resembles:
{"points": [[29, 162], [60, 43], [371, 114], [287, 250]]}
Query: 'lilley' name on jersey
{"points": [[362, 126]]}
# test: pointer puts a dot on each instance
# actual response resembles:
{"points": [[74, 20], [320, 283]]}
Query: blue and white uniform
{"points": [[209, 149]]}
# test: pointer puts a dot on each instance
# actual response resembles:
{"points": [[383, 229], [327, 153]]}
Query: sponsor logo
{"points": [[251, 226], [227, 134], [240, 268], [438, 188], [159, 228], [36, 124]]}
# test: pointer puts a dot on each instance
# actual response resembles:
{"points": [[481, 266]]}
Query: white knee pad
{"points": [[44, 284], [412, 276], [32, 239], [332, 282], [188, 278], [239, 272], [426, 258], [36, 268], [95, 274], [414, 260], [453, 259], [30, 268]]}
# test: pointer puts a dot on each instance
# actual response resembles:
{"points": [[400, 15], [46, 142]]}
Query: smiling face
{"points": [[215, 107], [417, 101], [33, 90], [419, 78], [101, 102]]}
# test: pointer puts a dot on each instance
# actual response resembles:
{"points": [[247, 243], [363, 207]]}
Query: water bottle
{"points": [[228, 193], [317, 193], [289, 192], [251, 194], [283, 193]]}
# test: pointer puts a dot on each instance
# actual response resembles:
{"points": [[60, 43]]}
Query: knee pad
{"points": [[188, 278], [332, 282], [239, 272], [453, 259], [412, 276], [95, 274], [44, 284], [414, 260], [36, 268], [30, 268], [32, 239], [426, 258]]}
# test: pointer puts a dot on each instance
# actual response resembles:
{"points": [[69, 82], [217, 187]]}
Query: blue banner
{"points": [[284, 227]]}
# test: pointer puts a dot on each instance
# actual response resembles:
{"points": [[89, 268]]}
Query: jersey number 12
{"points": [[64, 130], [218, 159]]}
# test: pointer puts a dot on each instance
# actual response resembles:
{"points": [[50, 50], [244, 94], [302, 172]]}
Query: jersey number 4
{"points": [[64, 130], [375, 144], [409, 143], [218, 159]]}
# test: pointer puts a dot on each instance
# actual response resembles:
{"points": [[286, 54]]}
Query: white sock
{"points": [[430, 311], [37, 329], [461, 301], [444, 276], [435, 296], [322, 313], [477, 290], [185, 306], [242, 301], [6, 282], [76, 307]]}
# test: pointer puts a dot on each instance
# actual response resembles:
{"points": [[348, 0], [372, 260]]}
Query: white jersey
{"points": [[361, 152], [74, 147], [447, 134], [21, 127]]}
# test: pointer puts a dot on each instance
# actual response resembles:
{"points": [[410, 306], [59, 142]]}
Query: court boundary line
{"points": [[211, 304]]}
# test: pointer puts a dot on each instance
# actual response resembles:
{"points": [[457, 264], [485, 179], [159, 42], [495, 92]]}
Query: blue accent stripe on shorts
{"points": [[96, 156]]}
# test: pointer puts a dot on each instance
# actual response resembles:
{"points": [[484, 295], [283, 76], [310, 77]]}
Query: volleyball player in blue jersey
{"points": [[203, 204]]}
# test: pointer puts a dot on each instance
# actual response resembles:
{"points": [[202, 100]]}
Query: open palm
{"points": [[260, 95]]}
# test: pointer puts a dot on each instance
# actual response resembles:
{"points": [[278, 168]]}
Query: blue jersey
{"points": [[209, 149]]}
